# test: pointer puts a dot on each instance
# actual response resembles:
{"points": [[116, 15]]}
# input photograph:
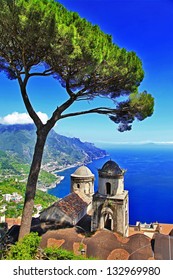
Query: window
{"points": [[126, 218], [78, 186], [108, 188]]}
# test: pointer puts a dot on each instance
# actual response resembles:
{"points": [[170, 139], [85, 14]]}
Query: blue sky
{"points": [[143, 26]]}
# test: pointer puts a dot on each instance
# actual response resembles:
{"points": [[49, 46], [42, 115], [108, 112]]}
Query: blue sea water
{"points": [[149, 180]]}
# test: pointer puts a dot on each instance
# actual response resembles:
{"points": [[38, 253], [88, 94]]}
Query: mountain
{"points": [[18, 140], [17, 144]]}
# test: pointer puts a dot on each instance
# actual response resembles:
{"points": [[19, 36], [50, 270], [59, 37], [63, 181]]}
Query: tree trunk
{"points": [[31, 184]]}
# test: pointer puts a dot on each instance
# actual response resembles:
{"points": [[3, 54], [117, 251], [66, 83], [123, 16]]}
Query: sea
{"points": [[148, 179]]}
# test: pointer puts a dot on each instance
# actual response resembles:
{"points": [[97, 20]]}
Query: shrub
{"points": [[53, 253], [60, 254], [25, 249], [28, 249]]}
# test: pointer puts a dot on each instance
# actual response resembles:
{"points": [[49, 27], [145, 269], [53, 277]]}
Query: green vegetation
{"points": [[44, 199], [10, 186], [7, 163], [28, 249], [25, 249], [9, 167], [46, 178], [61, 254], [14, 209]]}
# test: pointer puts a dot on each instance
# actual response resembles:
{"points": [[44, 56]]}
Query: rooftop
{"points": [[112, 168], [71, 205], [82, 171]]}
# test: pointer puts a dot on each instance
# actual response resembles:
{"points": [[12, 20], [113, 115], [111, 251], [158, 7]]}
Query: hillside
{"points": [[17, 144], [14, 208]]}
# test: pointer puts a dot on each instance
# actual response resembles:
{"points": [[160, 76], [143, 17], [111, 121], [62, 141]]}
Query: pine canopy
{"points": [[78, 54]]}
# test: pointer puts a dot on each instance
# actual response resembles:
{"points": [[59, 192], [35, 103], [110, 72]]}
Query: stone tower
{"points": [[82, 180], [110, 202]]}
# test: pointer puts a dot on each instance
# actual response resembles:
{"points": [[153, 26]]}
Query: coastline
{"points": [[60, 178], [52, 186], [68, 167], [78, 164], [144, 180]]}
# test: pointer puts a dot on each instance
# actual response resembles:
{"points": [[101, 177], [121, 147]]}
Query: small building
{"points": [[72, 208], [6, 197], [110, 202], [67, 211], [12, 197], [16, 197]]}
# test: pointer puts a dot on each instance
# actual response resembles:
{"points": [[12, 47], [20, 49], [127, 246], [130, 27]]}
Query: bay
{"points": [[148, 178]]}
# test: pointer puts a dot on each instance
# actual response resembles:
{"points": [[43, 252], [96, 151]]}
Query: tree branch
{"points": [[45, 73], [27, 103], [69, 91], [99, 110], [59, 110]]}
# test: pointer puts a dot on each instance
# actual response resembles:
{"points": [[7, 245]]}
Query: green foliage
{"points": [[25, 249], [58, 254], [28, 248], [138, 105], [52, 253], [14, 209], [91, 61], [47, 178], [44, 199], [143, 104], [6, 163], [84, 59], [18, 20], [17, 141], [10, 186], [78, 54]]}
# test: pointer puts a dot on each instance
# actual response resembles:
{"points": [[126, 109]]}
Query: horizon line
{"points": [[137, 143]]}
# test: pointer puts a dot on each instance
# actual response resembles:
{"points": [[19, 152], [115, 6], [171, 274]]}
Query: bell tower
{"points": [[110, 203], [82, 181]]}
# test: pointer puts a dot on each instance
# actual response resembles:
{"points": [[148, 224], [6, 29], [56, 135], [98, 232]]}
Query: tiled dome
{"points": [[111, 167]]}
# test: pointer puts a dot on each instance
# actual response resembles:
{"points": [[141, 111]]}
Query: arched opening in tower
{"points": [[108, 221]]}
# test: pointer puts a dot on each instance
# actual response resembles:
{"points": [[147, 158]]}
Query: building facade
{"points": [[108, 207], [110, 202], [73, 207]]}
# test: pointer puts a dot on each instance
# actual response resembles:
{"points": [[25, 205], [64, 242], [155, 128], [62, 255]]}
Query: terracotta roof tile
{"points": [[71, 205]]}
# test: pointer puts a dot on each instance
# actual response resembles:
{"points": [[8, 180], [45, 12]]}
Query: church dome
{"points": [[82, 171], [111, 168]]}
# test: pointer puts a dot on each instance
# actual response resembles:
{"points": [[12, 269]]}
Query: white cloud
{"points": [[21, 118]]}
